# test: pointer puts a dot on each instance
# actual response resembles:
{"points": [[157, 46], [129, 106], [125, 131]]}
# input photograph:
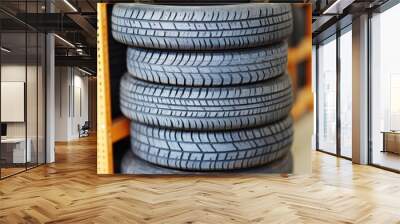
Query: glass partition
{"points": [[385, 89], [346, 93], [14, 151], [327, 96], [22, 101]]}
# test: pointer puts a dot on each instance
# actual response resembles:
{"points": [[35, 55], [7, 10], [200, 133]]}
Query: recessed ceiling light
{"points": [[337, 7], [84, 71], [5, 49], [70, 5], [64, 40]]}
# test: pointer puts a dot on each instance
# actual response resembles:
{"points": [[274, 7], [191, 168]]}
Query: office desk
{"points": [[13, 150], [391, 141]]}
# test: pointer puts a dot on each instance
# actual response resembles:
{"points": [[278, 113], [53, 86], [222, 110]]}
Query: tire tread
{"points": [[216, 28], [207, 68], [212, 151], [206, 108]]}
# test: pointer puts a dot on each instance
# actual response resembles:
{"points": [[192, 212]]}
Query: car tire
{"points": [[212, 151], [213, 68], [201, 27], [206, 108]]}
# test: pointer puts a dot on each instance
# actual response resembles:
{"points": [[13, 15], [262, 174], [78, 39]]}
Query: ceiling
{"points": [[328, 13], [74, 22]]}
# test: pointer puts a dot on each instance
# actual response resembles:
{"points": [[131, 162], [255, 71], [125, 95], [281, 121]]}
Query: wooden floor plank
{"points": [[69, 191]]}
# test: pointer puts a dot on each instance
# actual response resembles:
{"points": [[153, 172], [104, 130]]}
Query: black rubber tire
{"points": [[216, 27], [218, 68], [132, 164], [212, 151], [206, 108]]}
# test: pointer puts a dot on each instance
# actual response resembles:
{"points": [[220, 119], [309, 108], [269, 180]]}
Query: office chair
{"points": [[84, 130]]}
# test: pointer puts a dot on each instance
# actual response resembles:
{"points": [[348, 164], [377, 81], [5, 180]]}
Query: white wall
{"points": [[16, 72], [82, 83], [79, 102], [71, 102], [61, 103], [33, 127]]}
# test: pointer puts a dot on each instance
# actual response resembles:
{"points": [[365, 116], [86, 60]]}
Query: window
{"points": [[327, 96], [346, 92], [329, 81], [385, 89]]}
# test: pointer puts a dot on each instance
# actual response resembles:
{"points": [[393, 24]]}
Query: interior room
{"points": [[336, 85], [385, 87], [22, 100], [74, 90], [48, 83], [347, 119]]}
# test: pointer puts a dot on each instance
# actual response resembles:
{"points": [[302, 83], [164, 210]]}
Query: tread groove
{"points": [[243, 26], [225, 150]]}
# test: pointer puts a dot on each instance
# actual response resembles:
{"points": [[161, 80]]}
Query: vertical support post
{"points": [[360, 90], [50, 93], [316, 97], [338, 99]]}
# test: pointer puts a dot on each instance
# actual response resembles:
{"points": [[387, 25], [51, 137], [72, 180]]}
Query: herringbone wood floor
{"points": [[69, 191]]}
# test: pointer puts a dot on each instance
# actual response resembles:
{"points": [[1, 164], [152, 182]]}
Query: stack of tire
{"points": [[206, 87]]}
